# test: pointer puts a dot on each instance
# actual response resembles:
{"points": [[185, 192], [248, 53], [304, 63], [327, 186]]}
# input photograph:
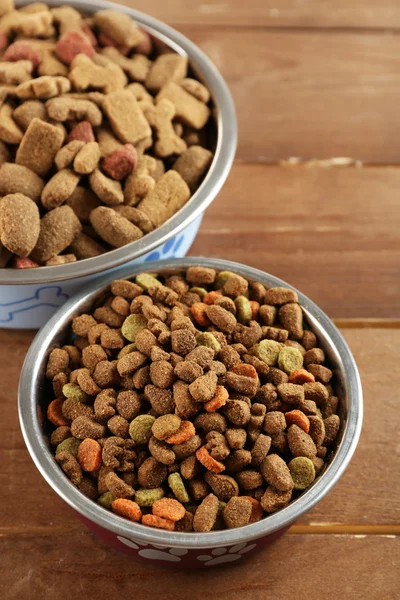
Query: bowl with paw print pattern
{"points": [[29, 296], [174, 548]]}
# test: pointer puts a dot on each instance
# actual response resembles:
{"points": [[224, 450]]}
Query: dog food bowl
{"points": [[28, 297], [175, 548]]}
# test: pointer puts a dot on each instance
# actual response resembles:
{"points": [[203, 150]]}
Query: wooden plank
{"points": [[310, 94], [55, 565], [368, 494], [270, 13], [331, 232]]}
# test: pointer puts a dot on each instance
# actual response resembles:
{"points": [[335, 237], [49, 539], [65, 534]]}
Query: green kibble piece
{"points": [[126, 350], [221, 506], [147, 281], [243, 309], [267, 351], [302, 471], [207, 339], [74, 392], [176, 484], [148, 497], [71, 445], [290, 359], [132, 325], [140, 429], [222, 278], [106, 500], [199, 291]]}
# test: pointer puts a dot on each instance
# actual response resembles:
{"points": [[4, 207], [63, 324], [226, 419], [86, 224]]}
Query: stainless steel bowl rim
{"points": [[214, 180], [44, 460]]}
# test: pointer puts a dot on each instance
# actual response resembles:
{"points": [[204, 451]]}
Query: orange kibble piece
{"points": [[257, 512], [198, 310], [154, 521], [168, 508], [185, 432], [89, 455], [208, 461], [211, 297], [301, 376], [245, 370], [220, 398], [255, 307], [127, 508], [297, 417], [54, 413]]}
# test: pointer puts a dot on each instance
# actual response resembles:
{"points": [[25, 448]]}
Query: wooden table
{"points": [[314, 80]]}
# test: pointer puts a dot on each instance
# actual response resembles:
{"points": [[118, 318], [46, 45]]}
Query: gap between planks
{"points": [[311, 529]]}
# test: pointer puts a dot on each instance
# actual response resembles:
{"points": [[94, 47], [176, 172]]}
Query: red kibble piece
{"points": [[168, 508], [89, 455], [255, 307], [120, 163], [82, 132], [127, 508], [208, 461], [72, 44], [245, 370], [301, 376], [89, 34], [146, 45], [219, 400], [185, 432], [297, 417], [3, 41], [211, 297], [54, 413], [22, 51], [159, 522], [198, 310], [24, 263]]}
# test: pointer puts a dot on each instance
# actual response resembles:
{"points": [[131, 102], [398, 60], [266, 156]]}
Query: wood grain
{"points": [[332, 232], [61, 566], [368, 494], [310, 93], [270, 13]]}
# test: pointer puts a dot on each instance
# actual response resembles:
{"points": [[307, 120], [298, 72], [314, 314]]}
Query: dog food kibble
{"points": [[187, 418], [97, 118]]}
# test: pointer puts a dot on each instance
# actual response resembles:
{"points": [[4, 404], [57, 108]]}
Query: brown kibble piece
{"points": [[332, 425], [59, 188], [189, 110], [119, 27], [237, 512], [193, 164], [166, 198], [206, 514], [87, 159], [39, 147], [58, 228], [112, 228], [166, 68], [276, 473], [275, 499], [19, 224], [17, 179], [291, 317], [126, 117], [300, 443]]}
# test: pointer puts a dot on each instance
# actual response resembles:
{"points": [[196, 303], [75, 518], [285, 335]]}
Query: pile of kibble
{"points": [[103, 134], [192, 400]]}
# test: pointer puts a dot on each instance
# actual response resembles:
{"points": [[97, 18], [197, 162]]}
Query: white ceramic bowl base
{"points": [[31, 306]]}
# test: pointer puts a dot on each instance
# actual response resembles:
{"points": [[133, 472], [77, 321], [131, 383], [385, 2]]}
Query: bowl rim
{"points": [[44, 460], [226, 126]]}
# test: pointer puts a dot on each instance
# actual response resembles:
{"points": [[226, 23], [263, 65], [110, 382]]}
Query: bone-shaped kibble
{"points": [[141, 94], [141, 181], [9, 131], [50, 65], [160, 118], [15, 73], [136, 68], [43, 87], [68, 19], [31, 25], [85, 73], [27, 111], [119, 27], [67, 109]]}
